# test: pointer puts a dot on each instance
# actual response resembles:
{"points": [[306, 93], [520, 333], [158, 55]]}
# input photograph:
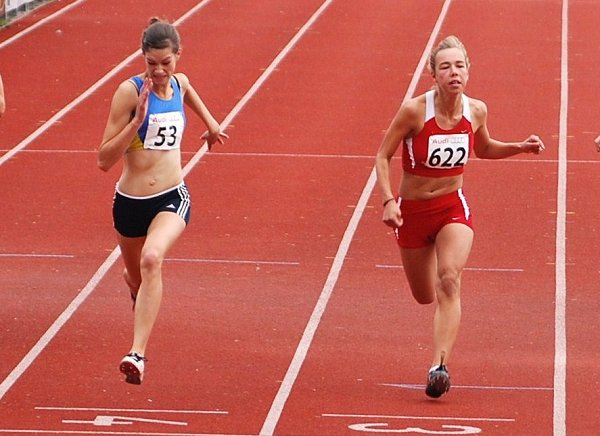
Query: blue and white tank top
{"points": [[164, 124]]}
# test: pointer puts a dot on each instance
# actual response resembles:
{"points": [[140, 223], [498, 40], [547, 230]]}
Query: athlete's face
{"points": [[451, 70], [160, 64]]}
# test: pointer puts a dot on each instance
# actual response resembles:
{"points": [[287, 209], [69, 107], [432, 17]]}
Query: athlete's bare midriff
{"points": [[415, 187], [147, 172]]}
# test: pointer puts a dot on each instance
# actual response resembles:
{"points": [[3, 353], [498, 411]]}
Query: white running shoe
{"points": [[132, 366]]}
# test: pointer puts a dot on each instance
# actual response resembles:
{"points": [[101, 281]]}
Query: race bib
{"points": [[164, 131], [447, 151]]}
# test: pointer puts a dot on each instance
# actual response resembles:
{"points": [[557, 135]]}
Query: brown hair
{"points": [[160, 34], [448, 42]]}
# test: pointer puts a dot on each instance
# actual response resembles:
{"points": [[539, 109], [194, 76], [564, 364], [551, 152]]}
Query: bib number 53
{"points": [[166, 136], [164, 131]]}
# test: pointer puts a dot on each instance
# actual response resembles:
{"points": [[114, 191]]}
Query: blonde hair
{"points": [[448, 42]]}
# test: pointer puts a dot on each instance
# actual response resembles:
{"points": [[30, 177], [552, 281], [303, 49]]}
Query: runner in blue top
{"points": [[151, 205]]}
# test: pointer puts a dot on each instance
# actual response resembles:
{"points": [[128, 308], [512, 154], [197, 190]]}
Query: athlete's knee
{"points": [[449, 282], [150, 261]]}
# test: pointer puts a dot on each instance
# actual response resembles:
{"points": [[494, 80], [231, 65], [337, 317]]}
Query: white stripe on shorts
{"points": [[463, 201], [185, 201]]}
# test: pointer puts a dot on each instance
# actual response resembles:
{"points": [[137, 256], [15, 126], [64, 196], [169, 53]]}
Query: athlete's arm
{"points": [[488, 148], [402, 126], [121, 127], [195, 103]]}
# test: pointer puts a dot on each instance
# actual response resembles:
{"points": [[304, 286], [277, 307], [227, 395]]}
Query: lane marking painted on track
{"points": [[507, 270], [388, 423], [432, 418], [492, 388], [168, 259], [109, 421], [560, 337], [37, 255], [108, 409], [105, 419], [232, 261]]}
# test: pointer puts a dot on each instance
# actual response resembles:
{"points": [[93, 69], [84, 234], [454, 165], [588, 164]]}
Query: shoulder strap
{"points": [[177, 81], [466, 108], [137, 82], [429, 105]]}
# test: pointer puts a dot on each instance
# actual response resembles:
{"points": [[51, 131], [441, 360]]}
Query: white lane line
{"points": [[169, 259], [109, 421], [491, 388], [560, 339], [291, 375], [432, 418], [232, 261], [36, 255], [150, 411], [476, 269], [40, 23]]}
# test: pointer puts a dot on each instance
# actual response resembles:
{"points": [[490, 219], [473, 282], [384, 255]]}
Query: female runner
{"points": [[151, 205], [431, 217]]}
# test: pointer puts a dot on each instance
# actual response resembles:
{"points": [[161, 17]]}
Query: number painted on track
{"points": [[108, 421], [381, 427]]}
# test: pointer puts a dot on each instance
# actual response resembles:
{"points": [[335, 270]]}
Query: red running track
{"points": [[286, 310]]}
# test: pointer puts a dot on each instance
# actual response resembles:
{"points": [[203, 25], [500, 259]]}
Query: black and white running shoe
{"points": [[132, 366], [438, 381]]}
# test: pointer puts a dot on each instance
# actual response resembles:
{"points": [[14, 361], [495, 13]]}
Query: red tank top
{"points": [[435, 152]]}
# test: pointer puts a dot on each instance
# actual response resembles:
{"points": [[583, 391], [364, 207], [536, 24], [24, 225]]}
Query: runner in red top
{"points": [[431, 216], [437, 152]]}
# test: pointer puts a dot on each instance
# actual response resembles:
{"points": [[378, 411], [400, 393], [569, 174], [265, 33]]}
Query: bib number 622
{"points": [[448, 151]]}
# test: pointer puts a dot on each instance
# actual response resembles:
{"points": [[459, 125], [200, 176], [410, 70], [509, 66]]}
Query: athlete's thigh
{"points": [[453, 247], [420, 268], [164, 230]]}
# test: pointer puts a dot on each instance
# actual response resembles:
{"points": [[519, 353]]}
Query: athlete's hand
{"points": [[214, 136], [597, 142], [142, 106], [391, 215], [533, 144]]}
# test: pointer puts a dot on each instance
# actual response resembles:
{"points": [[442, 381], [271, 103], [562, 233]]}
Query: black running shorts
{"points": [[132, 215]]}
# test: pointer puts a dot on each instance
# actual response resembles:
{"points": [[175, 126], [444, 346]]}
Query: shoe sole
{"points": [[132, 374], [438, 386]]}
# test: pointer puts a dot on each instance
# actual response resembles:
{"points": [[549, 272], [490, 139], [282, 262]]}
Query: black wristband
{"points": [[387, 201]]}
